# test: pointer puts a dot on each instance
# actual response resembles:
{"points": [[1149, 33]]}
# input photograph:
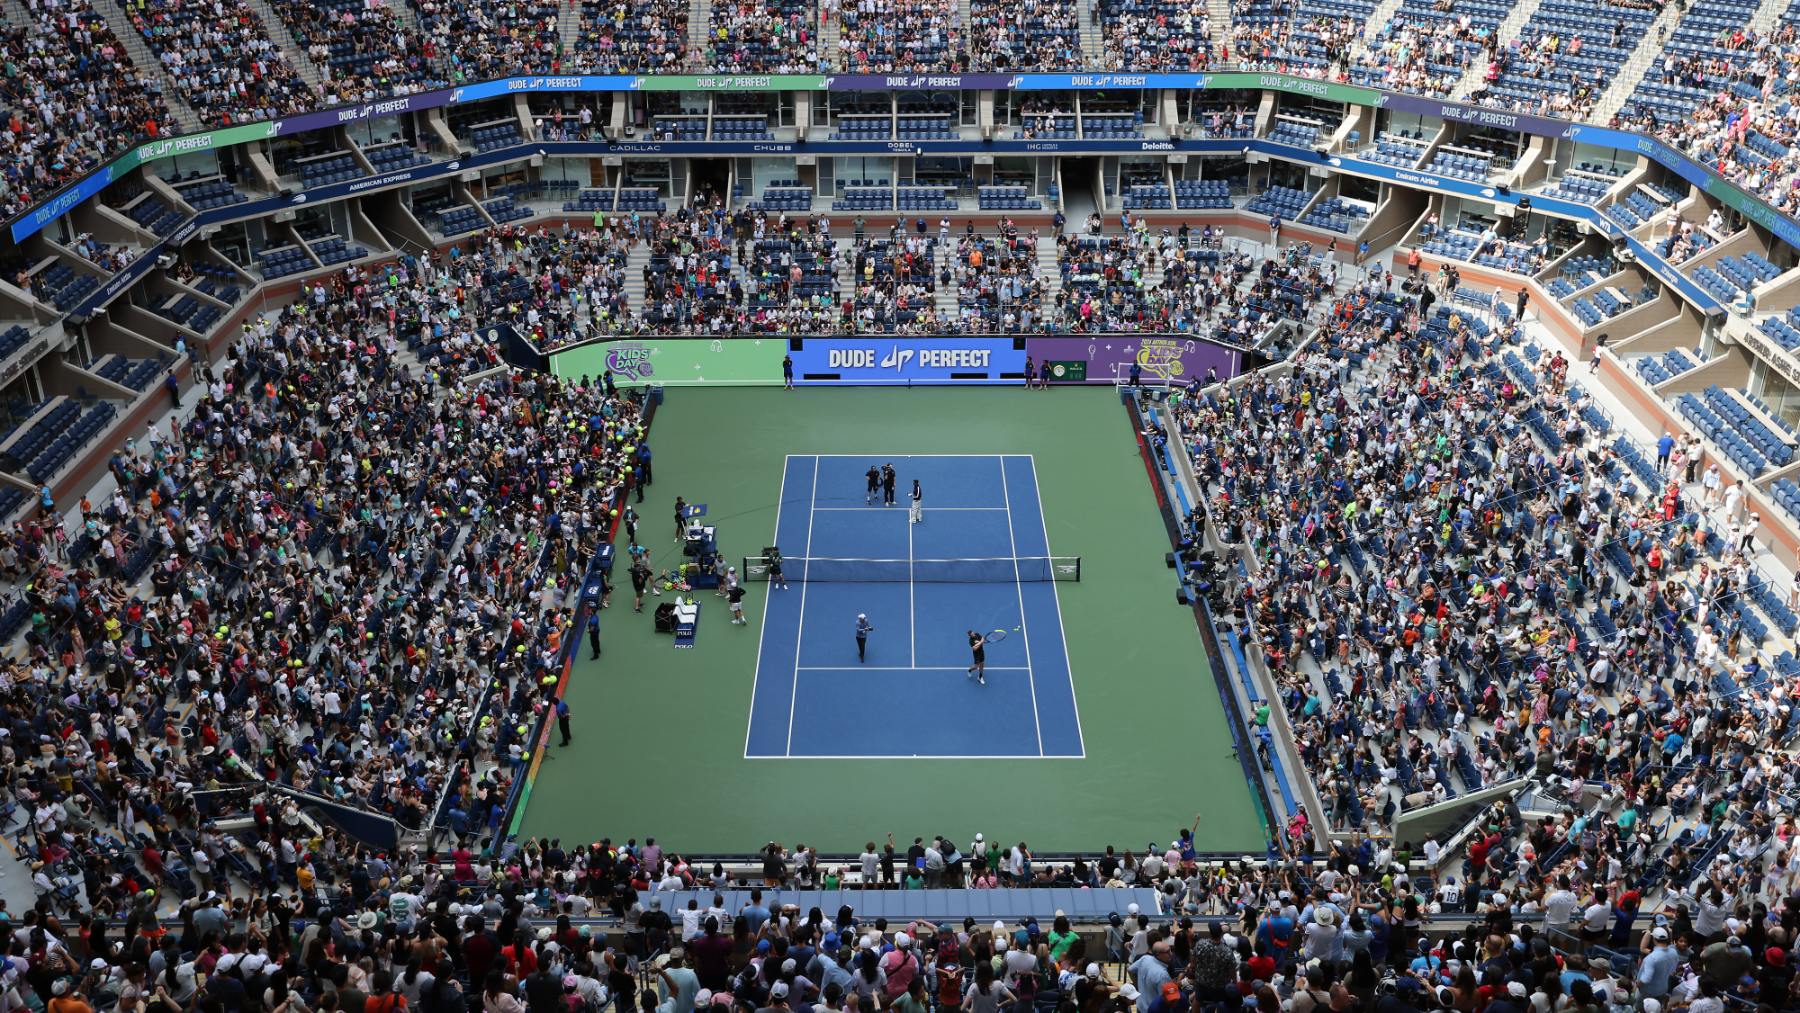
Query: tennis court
{"points": [[979, 560], [1123, 692]]}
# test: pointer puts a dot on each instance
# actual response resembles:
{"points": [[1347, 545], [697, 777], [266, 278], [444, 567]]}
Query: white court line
{"points": [[890, 757], [912, 612], [800, 627], [1019, 588], [762, 631], [907, 668], [905, 457], [929, 510], [1056, 596]]}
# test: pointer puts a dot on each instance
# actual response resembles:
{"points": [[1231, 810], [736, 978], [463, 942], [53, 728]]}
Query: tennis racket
{"points": [[995, 637]]}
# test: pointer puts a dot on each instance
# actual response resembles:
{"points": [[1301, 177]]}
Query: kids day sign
{"points": [[883, 359]]}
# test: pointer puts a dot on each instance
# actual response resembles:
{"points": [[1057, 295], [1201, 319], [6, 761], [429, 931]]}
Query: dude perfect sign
{"points": [[907, 361]]}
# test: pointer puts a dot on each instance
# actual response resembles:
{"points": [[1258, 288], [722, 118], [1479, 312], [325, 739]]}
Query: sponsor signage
{"points": [[907, 360], [676, 361], [1107, 358]]}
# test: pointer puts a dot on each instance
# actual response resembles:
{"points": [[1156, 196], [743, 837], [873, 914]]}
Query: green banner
{"points": [[1330, 91], [1071, 370], [676, 362], [733, 82]]}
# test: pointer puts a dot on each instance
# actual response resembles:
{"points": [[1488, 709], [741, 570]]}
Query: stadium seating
{"points": [[1200, 194]]}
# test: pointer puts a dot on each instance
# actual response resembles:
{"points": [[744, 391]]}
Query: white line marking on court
{"points": [[901, 457], [929, 510], [889, 757], [1019, 587], [762, 631], [1056, 595], [912, 611], [906, 668], [800, 627]]}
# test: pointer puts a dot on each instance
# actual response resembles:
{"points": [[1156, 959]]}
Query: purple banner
{"points": [[368, 110], [1481, 116], [1159, 357], [893, 82]]}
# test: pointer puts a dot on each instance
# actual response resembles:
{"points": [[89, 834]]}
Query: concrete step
{"points": [[1508, 30], [1091, 48], [1648, 52], [1378, 19], [1049, 270], [150, 69], [635, 262], [291, 50]]}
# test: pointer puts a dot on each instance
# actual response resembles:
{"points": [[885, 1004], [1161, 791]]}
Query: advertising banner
{"points": [[1107, 358], [906, 361], [676, 362]]}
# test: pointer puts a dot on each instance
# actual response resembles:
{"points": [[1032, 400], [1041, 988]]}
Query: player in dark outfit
{"points": [[874, 477], [978, 652]]}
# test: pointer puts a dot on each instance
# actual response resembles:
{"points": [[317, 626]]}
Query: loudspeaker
{"points": [[794, 344], [1169, 558], [1182, 597]]}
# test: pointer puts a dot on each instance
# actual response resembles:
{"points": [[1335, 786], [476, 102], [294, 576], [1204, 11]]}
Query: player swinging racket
{"points": [[978, 654]]}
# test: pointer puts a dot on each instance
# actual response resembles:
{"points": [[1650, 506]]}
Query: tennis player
{"points": [[918, 504], [776, 580], [874, 477], [863, 629], [978, 652]]}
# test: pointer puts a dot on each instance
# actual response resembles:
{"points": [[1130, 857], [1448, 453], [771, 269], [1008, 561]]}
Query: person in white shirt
{"points": [[1559, 906]]}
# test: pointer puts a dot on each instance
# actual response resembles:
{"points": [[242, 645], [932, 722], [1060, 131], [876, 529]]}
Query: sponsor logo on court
{"points": [[630, 362]]}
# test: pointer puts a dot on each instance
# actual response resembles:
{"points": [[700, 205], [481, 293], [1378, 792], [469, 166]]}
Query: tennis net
{"points": [[976, 570]]}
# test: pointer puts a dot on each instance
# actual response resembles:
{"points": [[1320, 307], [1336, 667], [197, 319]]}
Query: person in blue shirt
{"points": [[1664, 447]]}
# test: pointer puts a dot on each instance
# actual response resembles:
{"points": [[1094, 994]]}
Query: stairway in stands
{"points": [[291, 51], [1049, 270], [1649, 51], [1093, 53], [1508, 31], [635, 262], [150, 69]]}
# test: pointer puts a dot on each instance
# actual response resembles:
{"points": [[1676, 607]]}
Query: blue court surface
{"points": [[913, 696]]}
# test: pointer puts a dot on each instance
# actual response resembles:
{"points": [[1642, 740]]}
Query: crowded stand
{"points": [[349, 560], [1427, 47], [1478, 565], [222, 59], [884, 37], [632, 37], [1031, 35], [1564, 56], [363, 49], [763, 37], [485, 39], [1166, 36], [69, 93]]}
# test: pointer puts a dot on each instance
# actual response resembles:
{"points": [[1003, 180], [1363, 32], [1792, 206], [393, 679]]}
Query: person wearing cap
{"points": [[778, 999], [900, 965], [1723, 963], [1656, 968], [1150, 972], [679, 983], [863, 629], [1168, 999]]}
